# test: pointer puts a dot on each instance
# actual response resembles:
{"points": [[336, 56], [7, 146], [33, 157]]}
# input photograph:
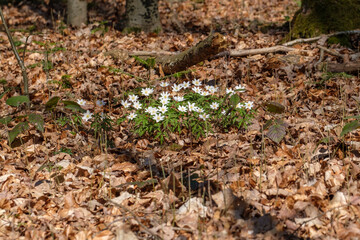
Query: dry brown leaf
{"points": [[104, 235], [124, 166]]}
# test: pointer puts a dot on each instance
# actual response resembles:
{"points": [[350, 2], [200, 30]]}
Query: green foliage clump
{"points": [[189, 114]]}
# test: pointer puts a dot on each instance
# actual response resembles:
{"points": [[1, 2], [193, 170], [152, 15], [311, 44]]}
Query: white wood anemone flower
{"points": [[87, 115]]}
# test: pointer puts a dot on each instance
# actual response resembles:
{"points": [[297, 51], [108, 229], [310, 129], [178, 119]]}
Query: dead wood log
{"points": [[350, 67], [212, 45]]}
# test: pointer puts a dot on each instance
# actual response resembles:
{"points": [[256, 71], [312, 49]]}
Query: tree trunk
{"points": [[76, 12], [142, 15], [325, 16]]}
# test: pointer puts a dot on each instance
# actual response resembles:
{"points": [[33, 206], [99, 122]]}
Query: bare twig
{"points": [[332, 52], [321, 58], [26, 43], [274, 49], [21, 63], [301, 40]]}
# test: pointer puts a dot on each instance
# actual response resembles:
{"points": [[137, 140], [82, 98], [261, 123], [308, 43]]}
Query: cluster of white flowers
{"points": [[240, 88], [147, 91], [158, 117], [197, 90], [151, 110], [182, 108], [204, 116], [179, 98], [134, 100], [100, 103], [164, 84], [158, 114], [248, 105], [176, 88], [125, 103], [230, 91], [196, 82], [132, 116], [88, 115], [211, 89], [214, 106], [81, 102]]}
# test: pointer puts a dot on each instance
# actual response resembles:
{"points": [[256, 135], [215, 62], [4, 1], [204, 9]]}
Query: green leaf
{"points": [[275, 107], [39, 43], [5, 120], [277, 131], [73, 106], [52, 103], [3, 81], [234, 100], [17, 100], [18, 43], [356, 117], [19, 128], [351, 126], [178, 74], [151, 62], [142, 61], [37, 120]]}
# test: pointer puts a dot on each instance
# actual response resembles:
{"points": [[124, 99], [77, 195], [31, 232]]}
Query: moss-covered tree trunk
{"points": [[76, 12], [142, 15], [324, 16]]}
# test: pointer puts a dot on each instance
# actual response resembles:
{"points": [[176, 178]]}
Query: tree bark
{"points": [[142, 15], [76, 12], [318, 17]]}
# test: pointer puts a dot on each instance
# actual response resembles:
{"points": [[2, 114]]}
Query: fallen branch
{"points": [[205, 49], [171, 62], [322, 37], [231, 53], [248, 52]]}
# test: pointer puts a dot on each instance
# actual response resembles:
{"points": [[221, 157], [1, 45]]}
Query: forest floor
{"points": [[66, 182]]}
